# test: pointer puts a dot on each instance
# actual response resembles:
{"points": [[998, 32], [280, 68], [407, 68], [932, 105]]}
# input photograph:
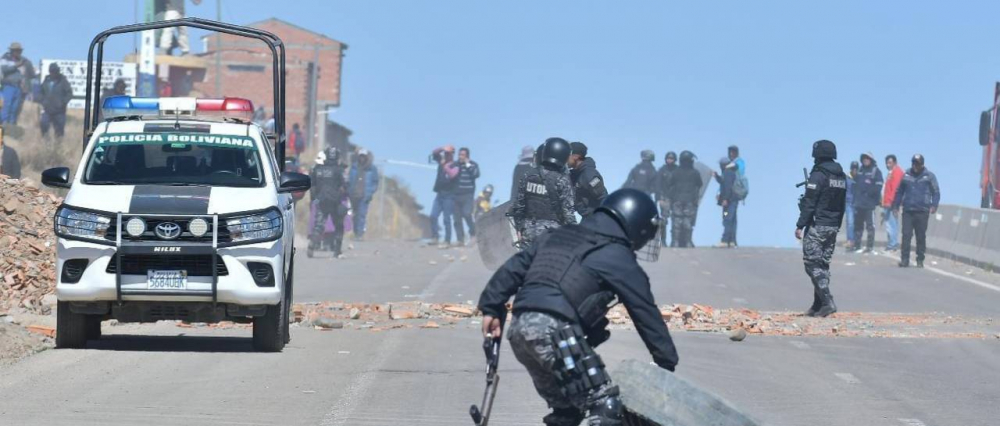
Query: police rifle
{"points": [[805, 178], [491, 346]]}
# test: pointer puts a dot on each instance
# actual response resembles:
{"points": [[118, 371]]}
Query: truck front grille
{"points": [[196, 265]]}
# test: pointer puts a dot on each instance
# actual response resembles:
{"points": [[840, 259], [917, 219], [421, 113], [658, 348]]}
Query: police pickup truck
{"points": [[178, 210]]}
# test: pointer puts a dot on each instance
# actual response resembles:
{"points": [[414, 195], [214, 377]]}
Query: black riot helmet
{"points": [[670, 155], [555, 152], [824, 149], [332, 154], [687, 158], [637, 214], [647, 155]]}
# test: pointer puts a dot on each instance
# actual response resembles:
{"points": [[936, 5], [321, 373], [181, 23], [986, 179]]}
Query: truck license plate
{"points": [[166, 280]]}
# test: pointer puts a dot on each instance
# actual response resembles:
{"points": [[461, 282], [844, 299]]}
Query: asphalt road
{"points": [[164, 375]]}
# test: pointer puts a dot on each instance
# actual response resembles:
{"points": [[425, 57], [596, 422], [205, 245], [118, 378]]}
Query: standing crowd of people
{"points": [[903, 202], [678, 187]]}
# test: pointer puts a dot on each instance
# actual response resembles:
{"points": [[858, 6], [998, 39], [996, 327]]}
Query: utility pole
{"points": [[218, 51]]}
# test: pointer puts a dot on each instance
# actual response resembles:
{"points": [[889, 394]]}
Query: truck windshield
{"points": [[174, 159]]}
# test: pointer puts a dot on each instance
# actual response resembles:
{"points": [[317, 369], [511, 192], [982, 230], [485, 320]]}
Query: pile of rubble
{"points": [[701, 318], [690, 318], [380, 317], [27, 241]]}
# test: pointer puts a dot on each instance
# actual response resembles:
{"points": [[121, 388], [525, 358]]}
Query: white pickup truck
{"points": [[178, 210]]}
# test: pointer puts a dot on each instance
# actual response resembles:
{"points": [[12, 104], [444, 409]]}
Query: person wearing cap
{"points": [[643, 175], [445, 185], [525, 162], [10, 164], [16, 73], [362, 182], [867, 197], [918, 195], [734, 157], [728, 200], [56, 94], [588, 184]]}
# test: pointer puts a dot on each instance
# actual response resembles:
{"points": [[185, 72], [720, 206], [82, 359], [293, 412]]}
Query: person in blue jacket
{"points": [[362, 184], [918, 195]]}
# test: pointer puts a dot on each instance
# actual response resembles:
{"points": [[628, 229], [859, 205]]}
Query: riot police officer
{"points": [[588, 184], [663, 181], [821, 212], [684, 192], [643, 176], [565, 284], [545, 195], [329, 188]]}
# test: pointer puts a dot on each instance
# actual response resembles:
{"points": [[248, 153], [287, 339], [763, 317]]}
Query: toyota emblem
{"points": [[168, 230]]}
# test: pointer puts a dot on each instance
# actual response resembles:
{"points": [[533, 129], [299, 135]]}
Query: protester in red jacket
{"points": [[892, 181]]}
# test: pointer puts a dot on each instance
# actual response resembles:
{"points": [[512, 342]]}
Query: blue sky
{"points": [[772, 77]]}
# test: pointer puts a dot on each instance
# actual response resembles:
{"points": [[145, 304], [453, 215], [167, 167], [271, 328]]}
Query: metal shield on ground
{"points": [[495, 237], [654, 396]]}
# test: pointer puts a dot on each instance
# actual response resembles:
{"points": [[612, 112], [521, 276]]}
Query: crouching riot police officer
{"points": [[545, 195], [565, 284], [329, 188], [821, 211]]}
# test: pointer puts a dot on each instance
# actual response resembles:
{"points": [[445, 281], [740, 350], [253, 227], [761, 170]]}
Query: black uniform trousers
{"points": [[864, 220], [914, 222]]}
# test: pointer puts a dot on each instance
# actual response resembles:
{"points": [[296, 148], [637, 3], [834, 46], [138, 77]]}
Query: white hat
{"points": [[320, 158]]}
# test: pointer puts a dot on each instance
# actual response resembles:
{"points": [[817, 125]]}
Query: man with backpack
{"points": [[728, 200]]}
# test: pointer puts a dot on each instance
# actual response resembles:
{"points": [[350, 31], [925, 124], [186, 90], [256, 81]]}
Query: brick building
{"points": [[313, 64]]}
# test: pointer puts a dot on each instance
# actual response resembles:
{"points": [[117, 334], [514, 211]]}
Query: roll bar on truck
{"points": [[91, 117]]}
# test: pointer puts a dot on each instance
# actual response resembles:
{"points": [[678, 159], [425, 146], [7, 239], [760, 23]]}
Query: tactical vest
{"points": [[557, 263], [330, 182], [538, 196]]}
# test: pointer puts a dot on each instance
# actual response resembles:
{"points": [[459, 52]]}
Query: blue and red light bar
{"points": [[118, 106]]}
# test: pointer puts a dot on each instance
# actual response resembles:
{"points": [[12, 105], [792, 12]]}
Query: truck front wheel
{"points": [[269, 330], [71, 328]]}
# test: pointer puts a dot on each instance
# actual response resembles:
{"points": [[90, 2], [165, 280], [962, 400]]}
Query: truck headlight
{"points": [[260, 226], [81, 224]]}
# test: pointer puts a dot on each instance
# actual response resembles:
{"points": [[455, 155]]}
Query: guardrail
{"points": [[965, 234]]}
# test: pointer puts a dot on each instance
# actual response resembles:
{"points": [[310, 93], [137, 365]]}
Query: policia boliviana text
{"points": [[565, 283], [821, 212]]}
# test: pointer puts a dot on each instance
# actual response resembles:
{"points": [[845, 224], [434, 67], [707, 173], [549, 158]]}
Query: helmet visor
{"points": [[650, 252]]}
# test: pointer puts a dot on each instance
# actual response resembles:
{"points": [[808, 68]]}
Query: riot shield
{"points": [[495, 236], [655, 397], [706, 177]]}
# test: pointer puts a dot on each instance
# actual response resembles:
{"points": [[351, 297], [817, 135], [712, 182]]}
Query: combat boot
{"points": [[828, 308], [817, 303]]}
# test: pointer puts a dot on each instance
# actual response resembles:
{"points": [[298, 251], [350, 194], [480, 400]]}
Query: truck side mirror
{"points": [[293, 182], [984, 127], [56, 177]]}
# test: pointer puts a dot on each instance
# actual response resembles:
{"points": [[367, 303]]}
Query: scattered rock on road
{"points": [[737, 335]]}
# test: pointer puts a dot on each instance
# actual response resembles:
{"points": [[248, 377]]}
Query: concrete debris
{"points": [[43, 330], [328, 324], [27, 241], [354, 314], [431, 324], [737, 335]]}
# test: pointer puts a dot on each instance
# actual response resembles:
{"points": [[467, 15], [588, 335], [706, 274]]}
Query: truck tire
{"points": [[268, 330], [289, 297], [93, 327], [71, 328]]}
